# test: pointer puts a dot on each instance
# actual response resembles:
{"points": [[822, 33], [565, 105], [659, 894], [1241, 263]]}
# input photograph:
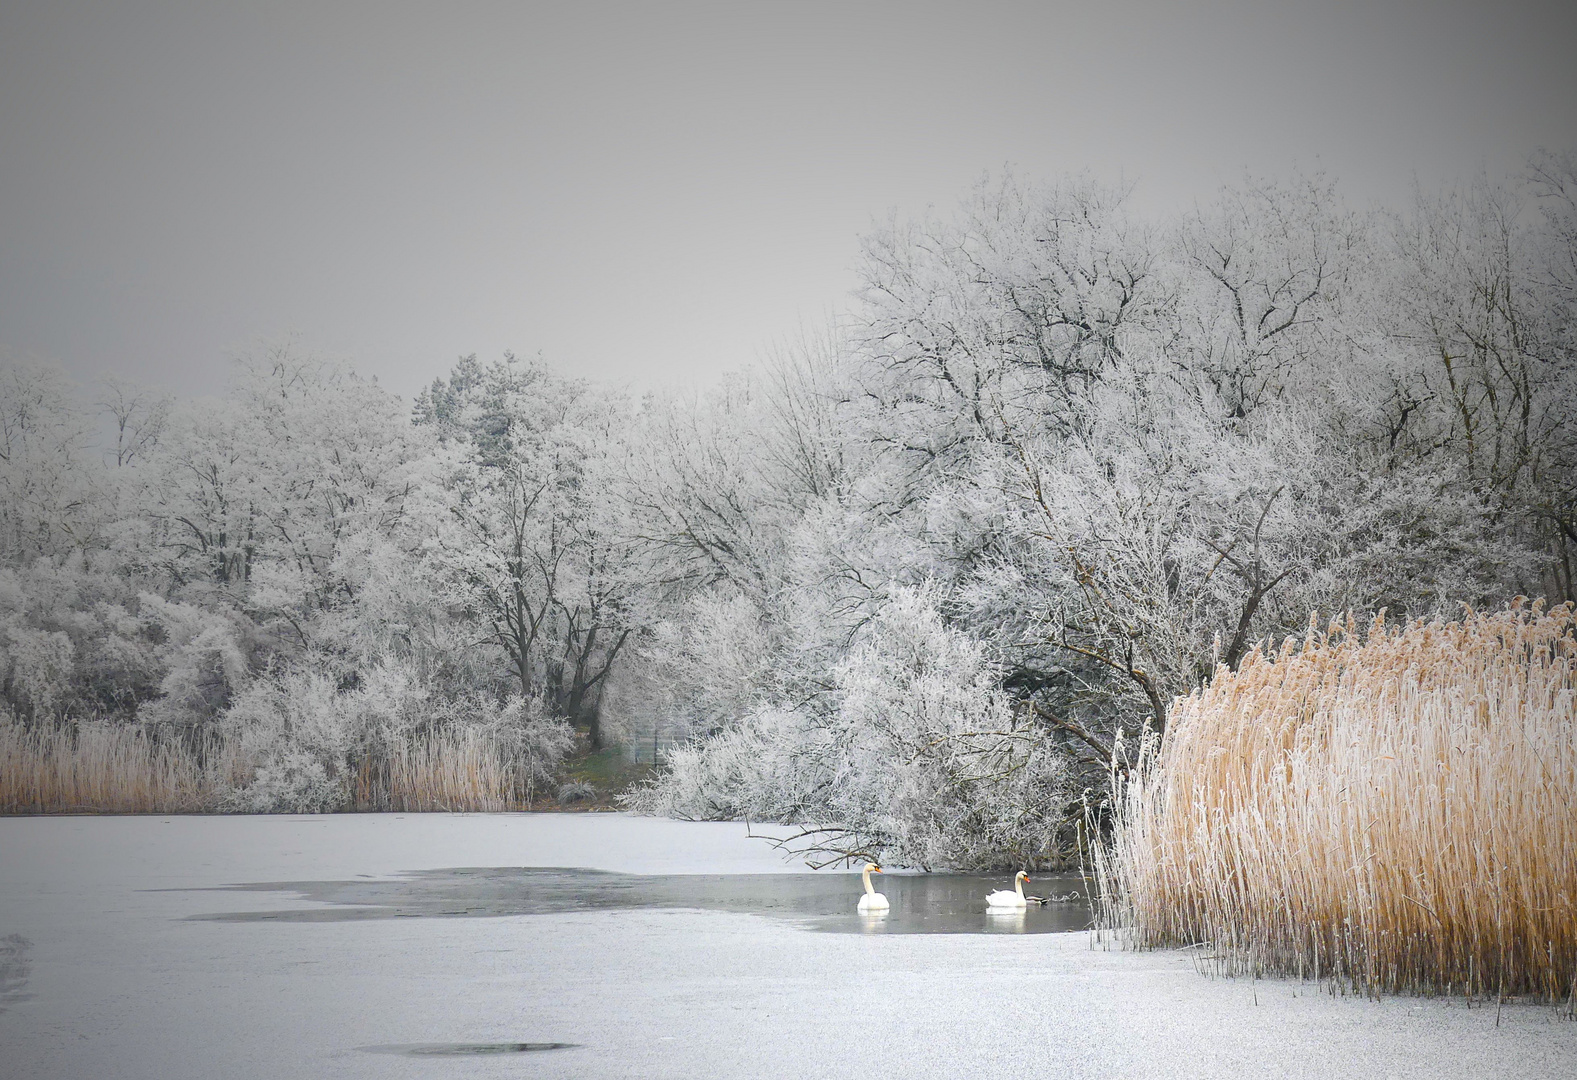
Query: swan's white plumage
{"points": [[873, 902], [1005, 900]]}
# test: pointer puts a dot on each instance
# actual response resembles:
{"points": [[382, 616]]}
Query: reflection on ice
{"points": [[918, 903], [999, 921]]}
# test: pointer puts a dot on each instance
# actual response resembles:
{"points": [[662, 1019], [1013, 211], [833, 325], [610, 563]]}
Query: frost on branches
{"points": [[914, 756], [908, 584]]}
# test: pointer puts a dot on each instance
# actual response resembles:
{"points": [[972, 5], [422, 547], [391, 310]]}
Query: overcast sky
{"points": [[643, 191]]}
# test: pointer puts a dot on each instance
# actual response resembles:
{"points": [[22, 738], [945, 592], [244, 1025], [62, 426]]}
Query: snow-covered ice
{"points": [[116, 981]]}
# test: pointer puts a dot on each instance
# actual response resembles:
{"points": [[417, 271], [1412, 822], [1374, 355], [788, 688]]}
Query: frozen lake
{"points": [[825, 900], [601, 945]]}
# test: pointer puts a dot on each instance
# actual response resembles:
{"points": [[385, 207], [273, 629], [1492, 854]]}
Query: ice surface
{"points": [[120, 982]]}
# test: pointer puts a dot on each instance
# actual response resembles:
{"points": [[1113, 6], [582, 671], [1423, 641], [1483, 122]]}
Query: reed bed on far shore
{"points": [[456, 770], [99, 768], [103, 768], [1393, 811]]}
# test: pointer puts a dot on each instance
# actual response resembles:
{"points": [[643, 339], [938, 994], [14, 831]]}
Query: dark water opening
{"points": [[920, 903], [465, 1049]]}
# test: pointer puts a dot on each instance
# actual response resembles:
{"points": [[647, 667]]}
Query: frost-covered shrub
{"points": [[293, 732], [712, 662], [36, 667], [762, 767], [290, 781], [205, 662], [576, 791], [74, 642], [916, 757], [940, 768], [533, 740], [302, 739]]}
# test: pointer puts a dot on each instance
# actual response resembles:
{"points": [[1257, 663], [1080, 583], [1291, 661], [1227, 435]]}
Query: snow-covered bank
{"points": [[121, 985]]}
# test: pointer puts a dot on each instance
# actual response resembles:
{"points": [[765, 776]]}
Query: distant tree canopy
{"points": [[538, 549], [1056, 465]]}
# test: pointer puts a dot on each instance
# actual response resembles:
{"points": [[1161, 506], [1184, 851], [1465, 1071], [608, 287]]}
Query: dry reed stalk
{"points": [[456, 770], [99, 768], [1395, 814], [107, 769]]}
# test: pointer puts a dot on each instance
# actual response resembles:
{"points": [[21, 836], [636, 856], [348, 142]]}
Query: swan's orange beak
{"points": [[876, 869]]}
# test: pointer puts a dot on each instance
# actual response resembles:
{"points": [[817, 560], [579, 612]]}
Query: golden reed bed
{"points": [[104, 769], [1394, 812]]}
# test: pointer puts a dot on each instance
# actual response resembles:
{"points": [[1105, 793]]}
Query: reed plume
{"points": [[1393, 811]]}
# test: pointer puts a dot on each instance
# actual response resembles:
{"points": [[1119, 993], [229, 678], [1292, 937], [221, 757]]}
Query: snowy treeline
{"points": [[303, 571], [1110, 454], [905, 582]]}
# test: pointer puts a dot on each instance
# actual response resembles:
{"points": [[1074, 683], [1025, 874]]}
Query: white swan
{"points": [[1009, 901], [873, 902]]}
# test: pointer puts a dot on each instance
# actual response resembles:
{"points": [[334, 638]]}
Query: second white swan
{"points": [[1003, 900], [873, 902]]}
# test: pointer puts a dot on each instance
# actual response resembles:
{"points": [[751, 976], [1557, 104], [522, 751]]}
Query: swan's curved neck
{"points": [[1018, 884], [869, 891]]}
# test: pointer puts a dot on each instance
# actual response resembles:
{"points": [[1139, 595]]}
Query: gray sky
{"points": [[640, 191]]}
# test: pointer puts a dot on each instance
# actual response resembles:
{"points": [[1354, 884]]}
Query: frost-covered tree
{"points": [[914, 754], [50, 502], [910, 582], [262, 493], [1484, 309], [1115, 454], [538, 546], [261, 517]]}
